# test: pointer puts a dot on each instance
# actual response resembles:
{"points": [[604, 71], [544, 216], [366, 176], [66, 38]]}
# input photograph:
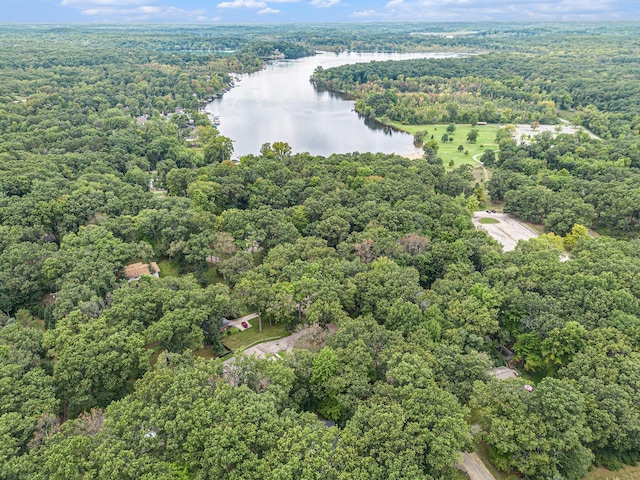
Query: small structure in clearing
{"points": [[134, 271]]}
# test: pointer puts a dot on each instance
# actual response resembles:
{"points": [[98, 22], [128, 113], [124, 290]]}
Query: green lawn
{"points": [[487, 221], [449, 151], [238, 341], [207, 352], [168, 268], [213, 276]]}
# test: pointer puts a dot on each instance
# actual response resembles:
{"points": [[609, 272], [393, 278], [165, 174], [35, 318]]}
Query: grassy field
{"points": [[489, 220], [240, 340], [449, 151]]}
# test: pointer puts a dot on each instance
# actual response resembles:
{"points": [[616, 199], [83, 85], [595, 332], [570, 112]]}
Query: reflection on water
{"points": [[280, 104]]}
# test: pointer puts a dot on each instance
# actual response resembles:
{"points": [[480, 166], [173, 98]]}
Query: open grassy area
{"points": [[168, 268], [238, 341], [489, 220], [626, 473], [213, 276], [207, 352], [449, 151]]}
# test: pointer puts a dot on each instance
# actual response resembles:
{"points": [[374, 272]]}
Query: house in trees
{"points": [[134, 271], [225, 325]]}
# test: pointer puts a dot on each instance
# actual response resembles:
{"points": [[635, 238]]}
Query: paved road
{"points": [[474, 467], [507, 232]]}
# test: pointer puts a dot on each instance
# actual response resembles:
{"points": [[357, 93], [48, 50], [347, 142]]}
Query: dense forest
{"points": [[402, 305]]}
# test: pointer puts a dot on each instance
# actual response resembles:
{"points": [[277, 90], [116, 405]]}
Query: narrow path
{"points": [[476, 158]]}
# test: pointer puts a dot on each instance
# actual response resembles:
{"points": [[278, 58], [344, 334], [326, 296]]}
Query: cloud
{"points": [[500, 10], [143, 12], [324, 3], [243, 4], [367, 13], [267, 11]]}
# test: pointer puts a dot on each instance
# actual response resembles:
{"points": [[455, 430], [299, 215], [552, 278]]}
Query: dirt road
{"points": [[508, 231]]}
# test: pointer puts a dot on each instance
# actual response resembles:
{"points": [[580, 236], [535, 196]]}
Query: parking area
{"points": [[506, 230]]}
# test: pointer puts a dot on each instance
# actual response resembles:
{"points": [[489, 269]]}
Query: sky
{"points": [[315, 11]]}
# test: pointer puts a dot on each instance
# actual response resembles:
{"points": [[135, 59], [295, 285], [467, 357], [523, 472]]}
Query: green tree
{"points": [[488, 158]]}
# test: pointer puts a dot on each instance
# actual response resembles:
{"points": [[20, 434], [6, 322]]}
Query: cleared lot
{"points": [[508, 231]]}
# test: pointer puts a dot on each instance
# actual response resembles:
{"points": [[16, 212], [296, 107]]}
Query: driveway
{"points": [[271, 348], [474, 467], [237, 323], [275, 346]]}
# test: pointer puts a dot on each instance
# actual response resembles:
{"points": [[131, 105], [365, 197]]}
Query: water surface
{"points": [[280, 104]]}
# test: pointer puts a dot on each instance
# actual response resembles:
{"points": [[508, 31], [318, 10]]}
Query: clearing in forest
{"points": [[449, 150], [505, 229]]}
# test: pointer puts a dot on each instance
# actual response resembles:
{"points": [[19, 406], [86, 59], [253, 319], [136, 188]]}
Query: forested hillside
{"points": [[406, 305]]}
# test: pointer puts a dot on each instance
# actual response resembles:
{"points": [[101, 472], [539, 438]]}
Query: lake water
{"points": [[280, 104]]}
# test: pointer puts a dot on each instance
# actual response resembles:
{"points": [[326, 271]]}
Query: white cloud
{"points": [[267, 11], [143, 12], [324, 3], [501, 10], [367, 13], [243, 4]]}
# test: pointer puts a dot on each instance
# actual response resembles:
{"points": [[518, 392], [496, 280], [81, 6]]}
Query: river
{"points": [[279, 103]]}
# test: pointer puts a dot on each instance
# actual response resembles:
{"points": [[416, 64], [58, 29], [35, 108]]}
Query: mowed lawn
{"points": [[238, 341], [449, 151]]}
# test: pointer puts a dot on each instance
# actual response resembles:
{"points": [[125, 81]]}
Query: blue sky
{"points": [[288, 11]]}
